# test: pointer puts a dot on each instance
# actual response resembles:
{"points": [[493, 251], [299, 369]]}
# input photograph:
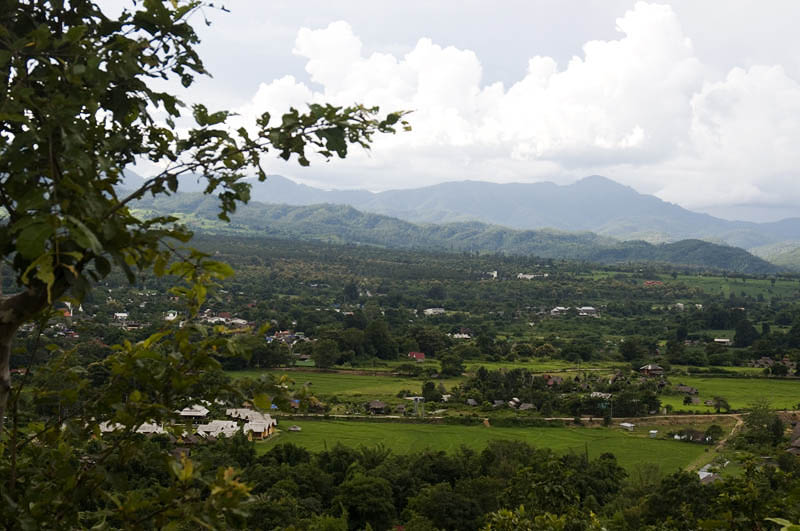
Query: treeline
{"points": [[508, 485], [619, 396]]}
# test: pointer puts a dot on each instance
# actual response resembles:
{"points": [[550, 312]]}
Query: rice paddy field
{"points": [[739, 392], [352, 385], [630, 448]]}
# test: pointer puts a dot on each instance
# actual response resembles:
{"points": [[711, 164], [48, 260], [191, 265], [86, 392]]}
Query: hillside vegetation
{"points": [[344, 224]]}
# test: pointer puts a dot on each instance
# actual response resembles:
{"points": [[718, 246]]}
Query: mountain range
{"points": [[595, 204], [345, 224]]}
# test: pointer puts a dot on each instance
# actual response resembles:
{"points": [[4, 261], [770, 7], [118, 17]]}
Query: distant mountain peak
{"points": [[604, 182]]}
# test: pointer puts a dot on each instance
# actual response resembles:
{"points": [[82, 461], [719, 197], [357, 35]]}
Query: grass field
{"points": [[739, 392], [539, 365], [720, 285], [377, 386], [752, 287], [630, 448], [743, 371]]}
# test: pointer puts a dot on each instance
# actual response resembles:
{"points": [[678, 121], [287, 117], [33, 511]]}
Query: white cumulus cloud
{"points": [[642, 109]]}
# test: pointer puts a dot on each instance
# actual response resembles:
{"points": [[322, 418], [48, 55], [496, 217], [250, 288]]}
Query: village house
{"points": [[686, 389], [559, 310], [147, 428], [587, 311], [195, 413], [433, 311], [462, 333], [376, 407], [651, 369], [531, 276], [216, 428], [252, 416], [553, 380], [691, 435], [417, 356], [764, 362], [258, 430]]}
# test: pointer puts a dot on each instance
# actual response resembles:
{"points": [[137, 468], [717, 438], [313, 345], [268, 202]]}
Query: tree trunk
{"points": [[14, 312], [6, 335]]}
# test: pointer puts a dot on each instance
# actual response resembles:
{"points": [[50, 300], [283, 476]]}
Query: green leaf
{"points": [[220, 269], [84, 236], [31, 241]]}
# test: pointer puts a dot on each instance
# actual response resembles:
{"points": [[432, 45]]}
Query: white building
{"points": [[215, 428], [194, 412]]}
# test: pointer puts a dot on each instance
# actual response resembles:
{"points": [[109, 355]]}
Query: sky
{"points": [[695, 102]]}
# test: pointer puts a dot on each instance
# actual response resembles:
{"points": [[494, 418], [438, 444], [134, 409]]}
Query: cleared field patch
{"points": [[740, 371], [629, 448], [750, 287], [550, 365], [367, 385], [739, 392]]}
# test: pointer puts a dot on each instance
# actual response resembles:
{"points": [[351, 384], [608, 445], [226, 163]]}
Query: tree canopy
{"points": [[79, 104]]}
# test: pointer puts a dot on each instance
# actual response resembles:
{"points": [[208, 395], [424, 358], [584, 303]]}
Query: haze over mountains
{"points": [[345, 224], [595, 204], [481, 215]]}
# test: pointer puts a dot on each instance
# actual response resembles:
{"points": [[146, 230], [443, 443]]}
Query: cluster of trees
{"points": [[565, 397]]}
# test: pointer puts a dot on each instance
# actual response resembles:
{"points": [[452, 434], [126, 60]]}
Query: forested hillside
{"points": [[344, 224], [595, 204]]}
